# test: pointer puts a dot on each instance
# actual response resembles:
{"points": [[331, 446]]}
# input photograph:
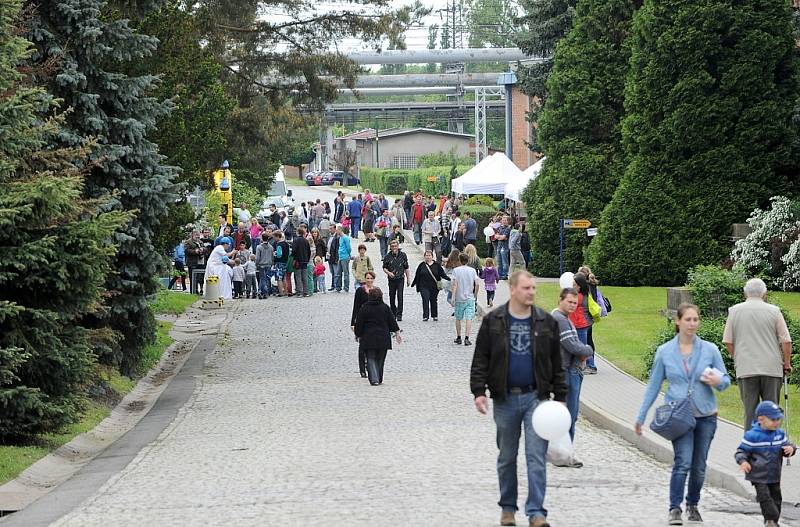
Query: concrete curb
{"points": [[48, 473]]}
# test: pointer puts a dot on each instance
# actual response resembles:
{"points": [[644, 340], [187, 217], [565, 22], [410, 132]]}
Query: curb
{"points": [[57, 467]]}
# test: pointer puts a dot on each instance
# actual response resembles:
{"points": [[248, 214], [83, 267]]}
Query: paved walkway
{"points": [[282, 430]]}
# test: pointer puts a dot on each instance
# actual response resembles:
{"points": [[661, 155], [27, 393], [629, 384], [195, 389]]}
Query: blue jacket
{"points": [[179, 254], [763, 449], [354, 208], [668, 364], [344, 248]]}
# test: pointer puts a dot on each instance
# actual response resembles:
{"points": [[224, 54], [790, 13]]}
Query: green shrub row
{"points": [[396, 181], [483, 215]]}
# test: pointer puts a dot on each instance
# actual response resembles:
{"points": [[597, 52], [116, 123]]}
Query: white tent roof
{"points": [[487, 177], [515, 187]]}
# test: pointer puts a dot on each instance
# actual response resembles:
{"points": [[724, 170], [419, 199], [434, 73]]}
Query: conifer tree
{"points": [[93, 49], [708, 135], [55, 254], [580, 130]]}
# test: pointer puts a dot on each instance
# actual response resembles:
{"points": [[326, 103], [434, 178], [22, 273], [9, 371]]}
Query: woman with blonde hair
{"points": [[474, 261]]}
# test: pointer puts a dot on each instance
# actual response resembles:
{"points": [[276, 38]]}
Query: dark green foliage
{"points": [[395, 184], [55, 256], [480, 200], [708, 134], [542, 25], [482, 214], [245, 193], [375, 179], [580, 130], [118, 110], [441, 159], [714, 289]]}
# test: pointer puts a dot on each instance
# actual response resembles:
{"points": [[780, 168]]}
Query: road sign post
{"points": [[568, 224]]}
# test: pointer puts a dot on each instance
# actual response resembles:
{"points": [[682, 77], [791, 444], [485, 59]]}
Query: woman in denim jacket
{"points": [[682, 361]]}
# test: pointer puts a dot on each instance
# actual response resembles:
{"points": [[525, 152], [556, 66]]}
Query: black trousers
{"points": [[768, 495], [396, 296], [362, 361], [430, 302], [375, 361]]}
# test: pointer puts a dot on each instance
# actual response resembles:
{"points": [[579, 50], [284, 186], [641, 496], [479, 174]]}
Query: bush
{"points": [[377, 179], [482, 214], [711, 329], [480, 200], [715, 289], [441, 159], [395, 184]]}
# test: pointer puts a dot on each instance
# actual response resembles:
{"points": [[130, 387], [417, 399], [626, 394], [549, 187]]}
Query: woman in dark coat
{"points": [[361, 297], [374, 326], [425, 279]]}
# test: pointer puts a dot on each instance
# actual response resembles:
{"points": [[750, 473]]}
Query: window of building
{"points": [[404, 161]]}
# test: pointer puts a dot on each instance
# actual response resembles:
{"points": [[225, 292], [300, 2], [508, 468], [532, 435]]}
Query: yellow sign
{"points": [[577, 224], [432, 179]]}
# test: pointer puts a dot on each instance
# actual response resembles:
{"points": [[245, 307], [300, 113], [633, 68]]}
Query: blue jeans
{"points": [[319, 283], [583, 336], [332, 267], [511, 416], [342, 275], [417, 228], [355, 224], [265, 281], [384, 244], [574, 381], [691, 451], [502, 260]]}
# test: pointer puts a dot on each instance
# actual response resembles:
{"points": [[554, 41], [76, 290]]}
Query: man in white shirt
{"points": [[465, 285]]}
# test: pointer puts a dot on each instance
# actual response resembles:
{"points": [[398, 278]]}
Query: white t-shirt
{"points": [[465, 276]]}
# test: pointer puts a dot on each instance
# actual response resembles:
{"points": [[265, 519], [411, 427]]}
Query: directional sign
{"points": [[577, 224], [432, 178]]}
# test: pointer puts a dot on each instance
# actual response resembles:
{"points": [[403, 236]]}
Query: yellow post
{"points": [[223, 183]]}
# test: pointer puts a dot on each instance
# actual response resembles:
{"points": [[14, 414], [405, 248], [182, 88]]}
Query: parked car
{"points": [[337, 176], [312, 178]]}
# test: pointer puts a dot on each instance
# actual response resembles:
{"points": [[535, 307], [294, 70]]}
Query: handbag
{"points": [[676, 418], [439, 285], [594, 308]]}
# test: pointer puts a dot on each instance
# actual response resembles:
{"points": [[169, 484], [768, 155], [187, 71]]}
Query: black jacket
{"points": [[395, 263], [374, 323], [301, 250], [360, 298], [423, 278], [338, 211], [333, 253], [490, 361]]}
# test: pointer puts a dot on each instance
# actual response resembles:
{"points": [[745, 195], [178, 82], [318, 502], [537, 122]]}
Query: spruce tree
{"points": [[580, 130], [55, 254], [708, 135], [93, 49]]}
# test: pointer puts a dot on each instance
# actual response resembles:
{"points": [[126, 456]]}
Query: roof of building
{"points": [[369, 133]]}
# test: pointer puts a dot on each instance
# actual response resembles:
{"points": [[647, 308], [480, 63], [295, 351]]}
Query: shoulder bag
{"points": [[674, 419], [438, 282]]}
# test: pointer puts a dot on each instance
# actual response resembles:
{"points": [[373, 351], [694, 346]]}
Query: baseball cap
{"points": [[769, 409]]}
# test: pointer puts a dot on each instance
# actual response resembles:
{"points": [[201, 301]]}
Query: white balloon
{"points": [[488, 230], [551, 420], [566, 280]]}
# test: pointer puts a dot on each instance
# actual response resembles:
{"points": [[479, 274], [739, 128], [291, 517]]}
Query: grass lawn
{"points": [[15, 459], [629, 331]]}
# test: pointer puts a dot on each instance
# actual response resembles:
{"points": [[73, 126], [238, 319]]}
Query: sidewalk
{"points": [[611, 399]]}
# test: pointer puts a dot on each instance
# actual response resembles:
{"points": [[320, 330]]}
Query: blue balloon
{"points": [[225, 259]]}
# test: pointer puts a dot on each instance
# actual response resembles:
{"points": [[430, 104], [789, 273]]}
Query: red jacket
{"points": [[417, 213]]}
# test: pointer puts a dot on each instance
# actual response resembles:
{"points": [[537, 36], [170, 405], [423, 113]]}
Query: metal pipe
{"points": [[440, 56], [419, 80], [423, 90]]}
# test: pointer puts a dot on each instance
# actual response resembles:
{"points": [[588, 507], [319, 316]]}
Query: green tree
{"points": [[708, 134], [542, 24], [581, 132], [117, 109], [491, 23], [55, 259]]}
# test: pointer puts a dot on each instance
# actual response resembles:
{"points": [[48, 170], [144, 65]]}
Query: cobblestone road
{"points": [[282, 431]]}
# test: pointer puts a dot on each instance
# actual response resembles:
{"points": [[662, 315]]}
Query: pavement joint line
{"points": [[25, 498]]}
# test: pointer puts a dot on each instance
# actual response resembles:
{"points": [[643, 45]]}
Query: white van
{"points": [[279, 188]]}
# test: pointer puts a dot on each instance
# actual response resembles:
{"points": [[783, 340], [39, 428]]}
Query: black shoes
{"points": [[675, 517], [399, 318], [692, 514], [363, 375], [467, 342], [435, 319], [458, 340], [425, 319]]}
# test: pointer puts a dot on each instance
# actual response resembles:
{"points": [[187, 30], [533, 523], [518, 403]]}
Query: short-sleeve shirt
{"points": [[465, 277], [756, 329], [520, 356]]}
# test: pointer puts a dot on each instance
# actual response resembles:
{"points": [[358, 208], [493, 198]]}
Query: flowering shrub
{"points": [[773, 248]]}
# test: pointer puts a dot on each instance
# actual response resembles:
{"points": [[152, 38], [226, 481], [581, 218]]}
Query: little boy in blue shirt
{"points": [[760, 456]]}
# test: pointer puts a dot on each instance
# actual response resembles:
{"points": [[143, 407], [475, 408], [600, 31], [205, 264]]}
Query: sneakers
{"points": [[590, 371], [692, 514], [507, 518], [435, 319], [770, 523], [425, 319], [467, 341], [538, 521], [458, 340], [675, 517]]}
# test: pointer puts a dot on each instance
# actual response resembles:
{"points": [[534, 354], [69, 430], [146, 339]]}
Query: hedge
{"points": [[483, 215], [379, 179]]}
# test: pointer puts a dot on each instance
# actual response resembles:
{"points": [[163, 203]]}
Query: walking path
{"points": [[281, 430]]}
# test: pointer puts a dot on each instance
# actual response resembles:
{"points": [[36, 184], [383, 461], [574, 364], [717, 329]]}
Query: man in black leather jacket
{"points": [[518, 358]]}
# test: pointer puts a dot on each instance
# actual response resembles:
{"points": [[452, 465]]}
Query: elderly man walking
{"points": [[758, 340]]}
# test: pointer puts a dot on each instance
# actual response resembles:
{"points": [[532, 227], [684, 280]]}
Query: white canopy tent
{"points": [[490, 176], [514, 188]]}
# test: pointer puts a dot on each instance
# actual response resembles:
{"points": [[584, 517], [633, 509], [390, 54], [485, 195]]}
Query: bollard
{"points": [[211, 296]]}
